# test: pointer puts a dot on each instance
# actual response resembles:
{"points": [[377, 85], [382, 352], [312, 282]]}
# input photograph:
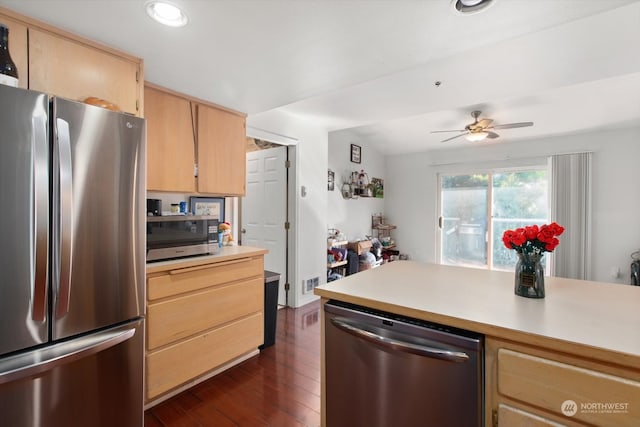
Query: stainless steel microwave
{"points": [[170, 237]]}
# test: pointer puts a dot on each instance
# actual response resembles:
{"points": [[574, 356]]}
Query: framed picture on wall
{"points": [[378, 187], [356, 153], [331, 180], [209, 206]]}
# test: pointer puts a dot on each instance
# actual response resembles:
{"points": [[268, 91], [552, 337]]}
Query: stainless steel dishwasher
{"points": [[392, 371]]}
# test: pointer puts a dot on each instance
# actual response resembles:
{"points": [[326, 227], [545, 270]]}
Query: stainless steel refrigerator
{"points": [[72, 268]]}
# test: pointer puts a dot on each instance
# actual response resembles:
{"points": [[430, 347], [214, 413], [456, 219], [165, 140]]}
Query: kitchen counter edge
{"points": [[453, 297]]}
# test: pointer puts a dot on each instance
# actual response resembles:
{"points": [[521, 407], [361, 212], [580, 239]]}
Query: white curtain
{"points": [[571, 208]]}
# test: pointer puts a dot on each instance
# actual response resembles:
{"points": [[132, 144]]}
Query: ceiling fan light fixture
{"points": [[476, 136], [469, 7], [166, 13]]}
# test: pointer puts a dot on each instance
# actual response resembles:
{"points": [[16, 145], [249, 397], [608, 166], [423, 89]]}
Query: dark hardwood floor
{"points": [[279, 387]]}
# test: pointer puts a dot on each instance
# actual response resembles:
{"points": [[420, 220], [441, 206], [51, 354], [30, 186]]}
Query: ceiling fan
{"points": [[481, 129]]}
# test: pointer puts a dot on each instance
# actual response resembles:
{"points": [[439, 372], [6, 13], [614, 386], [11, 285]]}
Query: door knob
{"points": [[243, 231]]}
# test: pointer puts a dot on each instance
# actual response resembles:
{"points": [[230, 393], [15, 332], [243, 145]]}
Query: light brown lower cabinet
{"points": [[528, 386], [200, 318]]}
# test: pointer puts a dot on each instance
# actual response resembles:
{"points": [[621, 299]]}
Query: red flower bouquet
{"points": [[533, 239]]}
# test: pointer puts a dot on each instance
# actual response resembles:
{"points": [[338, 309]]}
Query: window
{"points": [[477, 208]]}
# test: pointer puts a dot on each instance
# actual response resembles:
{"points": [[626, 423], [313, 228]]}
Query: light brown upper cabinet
{"points": [[221, 152], [75, 70], [17, 48], [56, 62], [185, 135], [170, 142]]}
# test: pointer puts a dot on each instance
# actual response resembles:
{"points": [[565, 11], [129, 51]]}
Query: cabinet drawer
{"points": [[182, 362], [509, 416], [181, 317], [601, 399], [195, 278]]}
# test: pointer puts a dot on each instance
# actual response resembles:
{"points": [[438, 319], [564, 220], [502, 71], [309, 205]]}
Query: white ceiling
{"points": [[369, 67]]}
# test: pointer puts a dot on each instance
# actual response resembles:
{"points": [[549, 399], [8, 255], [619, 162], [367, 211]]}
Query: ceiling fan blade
{"points": [[484, 123], [492, 135], [512, 125], [441, 131], [454, 137]]}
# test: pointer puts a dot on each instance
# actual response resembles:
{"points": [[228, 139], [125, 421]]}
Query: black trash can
{"points": [[271, 286]]}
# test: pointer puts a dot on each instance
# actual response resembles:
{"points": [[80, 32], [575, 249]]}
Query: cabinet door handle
{"points": [[359, 330], [204, 267]]}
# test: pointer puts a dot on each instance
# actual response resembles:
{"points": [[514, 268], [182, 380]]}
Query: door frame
{"points": [[291, 213]]}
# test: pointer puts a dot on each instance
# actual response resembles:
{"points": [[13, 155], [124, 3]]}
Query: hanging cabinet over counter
{"points": [[193, 146], [170, 142], [221, 151], [56, 62]]}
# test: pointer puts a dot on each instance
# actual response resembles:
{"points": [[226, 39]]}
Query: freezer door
{"points": [[98, 218], [95, 380], [24, 228]]}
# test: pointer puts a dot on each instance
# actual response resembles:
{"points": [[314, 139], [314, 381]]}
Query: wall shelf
{"points": [[382, 231], [336, 244], [336, 264]]}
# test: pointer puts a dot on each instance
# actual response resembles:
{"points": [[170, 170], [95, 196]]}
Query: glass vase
{"points": [[529, 280]]}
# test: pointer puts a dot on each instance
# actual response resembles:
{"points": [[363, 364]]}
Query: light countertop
{"points": [[225, 253], [599, 318]]}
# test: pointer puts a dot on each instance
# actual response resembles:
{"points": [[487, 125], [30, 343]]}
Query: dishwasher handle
{"points": [[360, 331]]}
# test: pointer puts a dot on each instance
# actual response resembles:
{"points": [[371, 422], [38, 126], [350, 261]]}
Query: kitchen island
{"points": [[581, 343]]}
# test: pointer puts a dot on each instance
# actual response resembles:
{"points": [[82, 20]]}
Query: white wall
{"points": [[411, 192], [352, 216], [308, 248]]}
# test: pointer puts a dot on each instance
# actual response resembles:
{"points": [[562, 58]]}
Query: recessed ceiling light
{"points": [[166, 13], [469, 7]]}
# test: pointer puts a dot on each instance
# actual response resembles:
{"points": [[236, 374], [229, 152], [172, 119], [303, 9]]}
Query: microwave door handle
{"points": [[40, 233], [65, 217], [360, 331]]}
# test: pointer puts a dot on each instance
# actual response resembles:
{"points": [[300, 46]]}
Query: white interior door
{"points": [[264, 209]]}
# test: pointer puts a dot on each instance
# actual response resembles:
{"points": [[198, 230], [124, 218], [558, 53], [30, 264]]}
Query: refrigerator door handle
{"points": [[40, 217], [65, 217], [38, 361]]}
